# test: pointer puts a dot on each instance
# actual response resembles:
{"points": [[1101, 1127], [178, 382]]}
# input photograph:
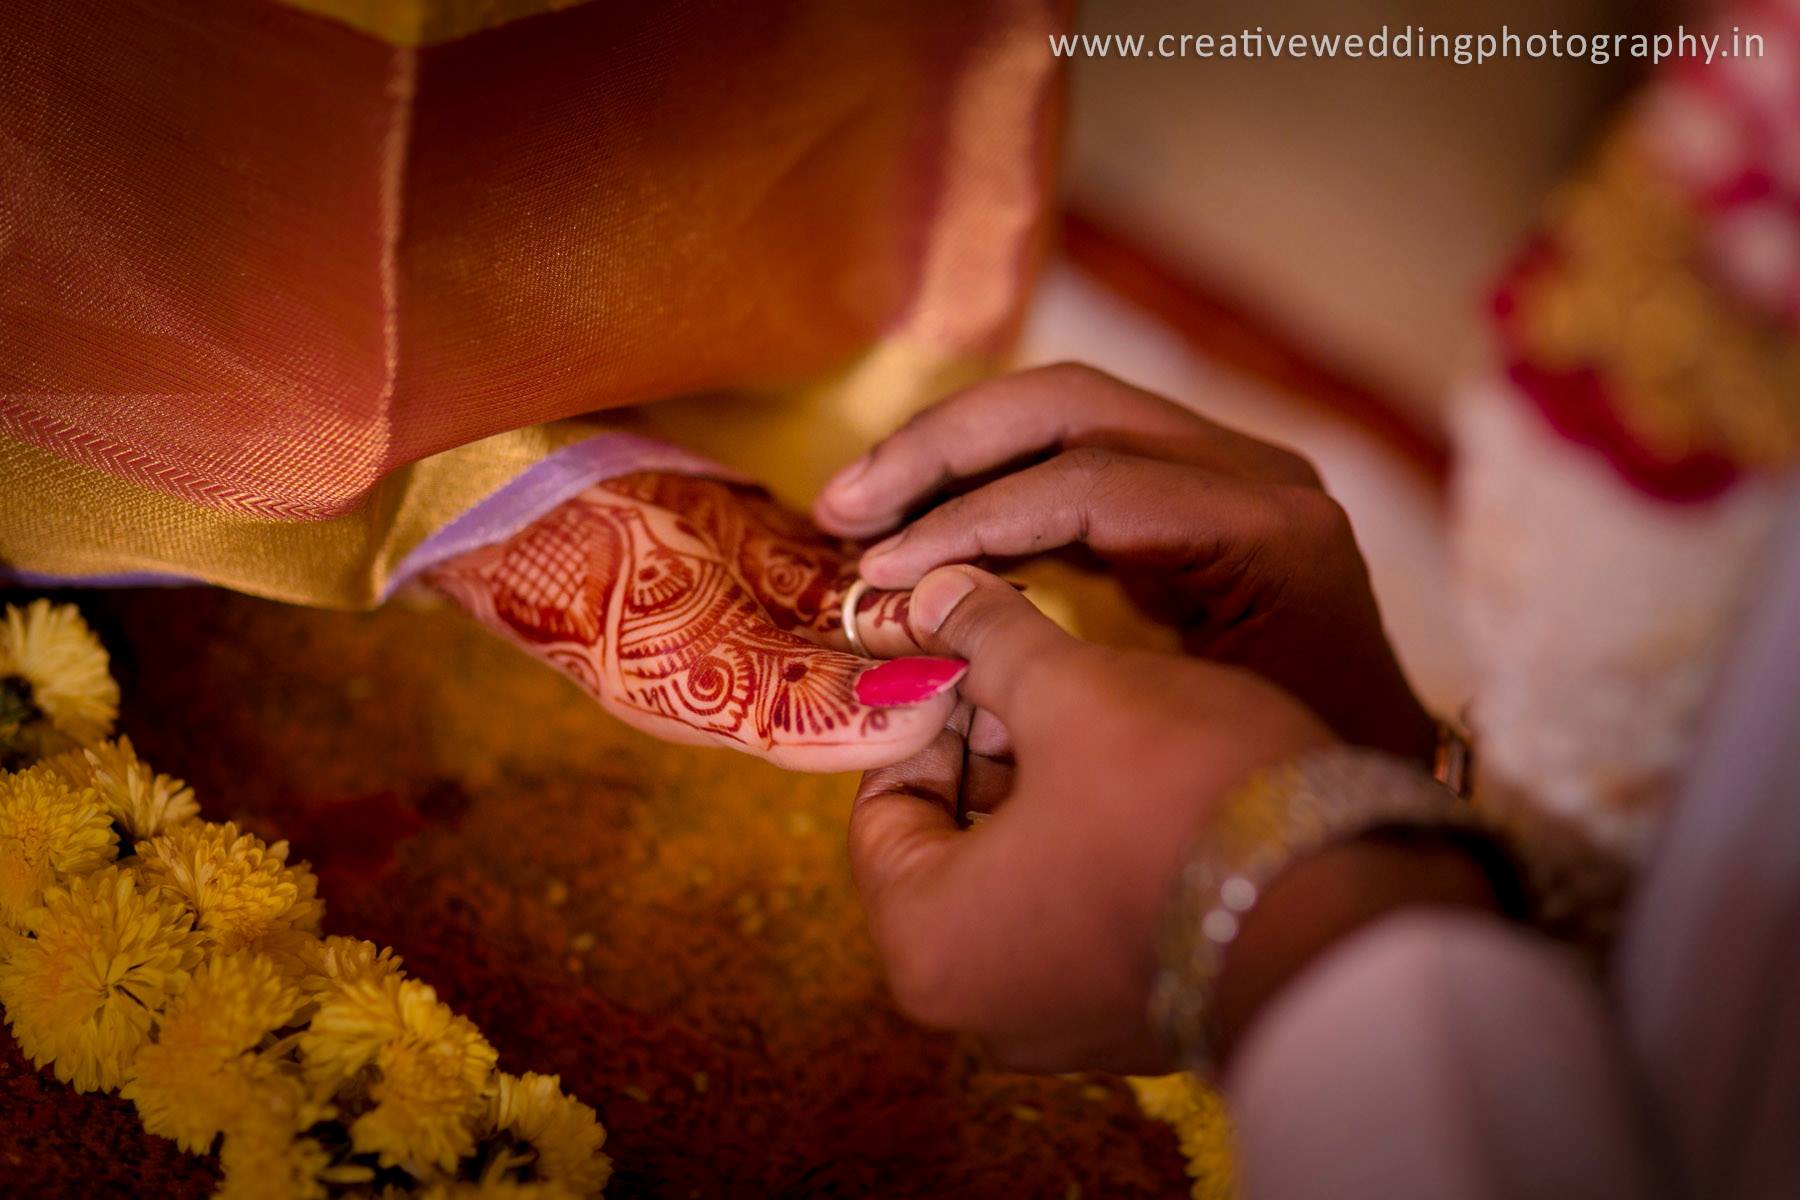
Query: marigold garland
{"points": [[1197, 1114], [205, 1066], [52, 833], [181, 961], [82, 988], [431, 1070], [142, 802], [56, 692], [563, 1134]]}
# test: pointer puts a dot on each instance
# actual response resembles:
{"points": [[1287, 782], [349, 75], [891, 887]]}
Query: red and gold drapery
{"points": [[286, 286]]}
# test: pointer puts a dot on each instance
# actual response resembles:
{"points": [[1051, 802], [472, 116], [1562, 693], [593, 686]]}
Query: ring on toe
{"points": [[852, 597]]}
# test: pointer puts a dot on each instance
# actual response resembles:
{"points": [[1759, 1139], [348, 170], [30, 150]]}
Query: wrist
{"points": [[1329, 896], [1294, 860]]}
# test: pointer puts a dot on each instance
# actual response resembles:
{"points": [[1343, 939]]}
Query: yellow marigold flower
{"points": [[336, 962], [564, 1132], [242, 892], [350, 1028], [190, 1091], [55, 692], [105, 958], [427, 1101], [201, 1074], [142, 801], [292, 951], [265, 1160], [1201, 1127], [233, 1000], [49, 833], [431, 1070]]}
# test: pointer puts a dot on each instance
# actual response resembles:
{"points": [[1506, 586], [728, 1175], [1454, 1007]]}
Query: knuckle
{"points": [[1307, 526], [1050, 674], [862, 833], [924, 982], [921, 418], [1070, 373], [1292, 467], [1086, 466], [1316, 513], [1077, 393], [922, 435], [1038, 671], [1091, 478], [974, 623], [954, 513]]}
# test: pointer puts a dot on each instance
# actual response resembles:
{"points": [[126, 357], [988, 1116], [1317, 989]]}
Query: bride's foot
{"points": [[704, 612]]}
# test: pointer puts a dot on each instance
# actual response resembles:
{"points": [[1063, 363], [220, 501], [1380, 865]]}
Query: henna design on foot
{"points": [[691, 608]]}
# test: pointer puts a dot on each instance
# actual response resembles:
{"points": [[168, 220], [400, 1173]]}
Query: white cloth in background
{"points": [[1439, 1056]]}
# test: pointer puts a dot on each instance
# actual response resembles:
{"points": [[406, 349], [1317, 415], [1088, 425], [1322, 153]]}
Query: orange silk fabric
{"points": [[255, 260]]}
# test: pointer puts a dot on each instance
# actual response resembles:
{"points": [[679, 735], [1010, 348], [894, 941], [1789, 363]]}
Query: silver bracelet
{"points": [[1281, 815]]}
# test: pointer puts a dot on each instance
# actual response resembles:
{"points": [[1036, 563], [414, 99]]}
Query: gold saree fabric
{"points": [[256, 263]]}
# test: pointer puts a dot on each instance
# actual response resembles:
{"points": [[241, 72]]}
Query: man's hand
{"points": [[701, 611], [1229, 539], [1036, 929]]}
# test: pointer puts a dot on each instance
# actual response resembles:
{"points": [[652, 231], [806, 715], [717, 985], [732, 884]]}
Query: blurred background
{"points": [[1303, 247]]}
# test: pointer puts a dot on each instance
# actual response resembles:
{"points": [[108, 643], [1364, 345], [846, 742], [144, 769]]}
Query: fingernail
{"points": [[884, 546], [842, 486], [936, 595], [902, 681]]}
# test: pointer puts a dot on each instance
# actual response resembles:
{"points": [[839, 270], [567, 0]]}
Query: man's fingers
{"points": [[1120, 505], [988, 737], [992, 424], [1129, 510], [902, 830], [987, 784], [1019, 416], [969, 614]]}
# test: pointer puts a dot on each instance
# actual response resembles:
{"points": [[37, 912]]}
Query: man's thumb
{"points": [[966, 612]]}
